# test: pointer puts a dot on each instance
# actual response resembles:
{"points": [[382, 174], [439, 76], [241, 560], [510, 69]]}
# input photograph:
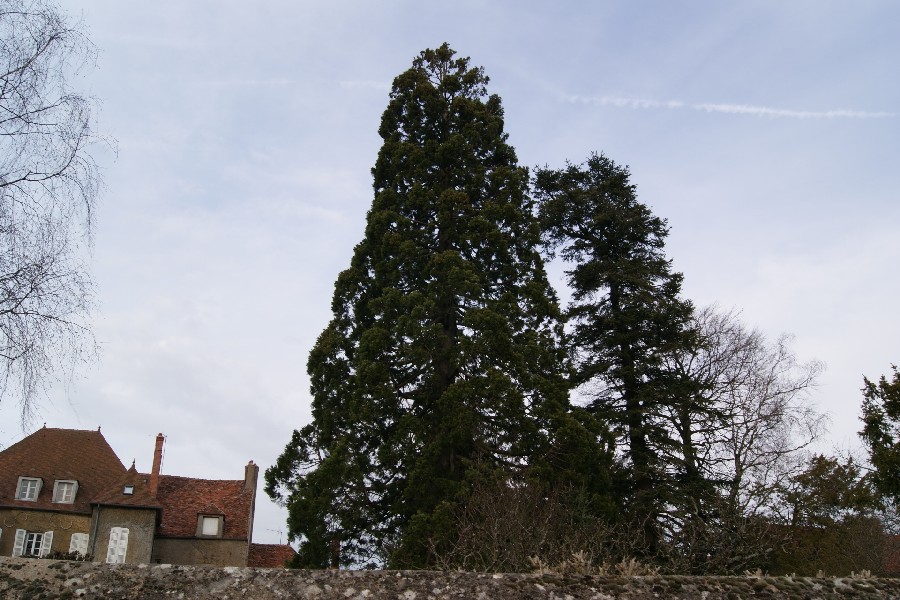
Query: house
{"points": [[64, 490]]}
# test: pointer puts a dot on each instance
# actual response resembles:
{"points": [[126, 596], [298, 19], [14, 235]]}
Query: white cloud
{"points": [[622, 102], [734, 109], [765, 111], [275, 81], [380, 86]]}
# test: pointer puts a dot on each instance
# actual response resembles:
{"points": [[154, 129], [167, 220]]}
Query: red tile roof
{"points": [[183, 499], [59, 454], [269, 556], [139, 496]]}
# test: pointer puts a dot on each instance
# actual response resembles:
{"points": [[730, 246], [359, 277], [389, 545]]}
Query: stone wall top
{"points": [[34, 578]]}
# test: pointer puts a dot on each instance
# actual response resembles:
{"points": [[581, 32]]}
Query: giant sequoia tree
{"points": [[626, 316], [442, 362]]}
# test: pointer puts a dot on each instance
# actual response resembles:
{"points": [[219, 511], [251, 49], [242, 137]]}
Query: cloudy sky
{"points": [[767, 133]]}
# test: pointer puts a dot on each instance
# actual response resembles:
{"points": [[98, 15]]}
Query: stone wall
{"points": [[35, 578], [192, 551], [63, 525], [141, 524]]}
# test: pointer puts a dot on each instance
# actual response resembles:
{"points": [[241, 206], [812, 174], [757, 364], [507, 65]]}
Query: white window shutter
{"points": [[113, 542], [118, 545], [46, 543], [123, 545], [79, 543], [19, 543]]}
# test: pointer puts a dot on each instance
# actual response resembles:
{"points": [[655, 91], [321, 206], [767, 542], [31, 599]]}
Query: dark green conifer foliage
{"points": [[828, 491], [626, 315], [832, 510], [881, 432], [442, 362]]}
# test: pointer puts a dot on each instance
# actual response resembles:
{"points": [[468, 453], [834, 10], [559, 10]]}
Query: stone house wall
{"points": [[63, 525], [141, 524], [192, 551]]}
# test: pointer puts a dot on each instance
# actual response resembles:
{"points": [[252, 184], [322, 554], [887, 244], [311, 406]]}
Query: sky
{"points": [[767, 134]]}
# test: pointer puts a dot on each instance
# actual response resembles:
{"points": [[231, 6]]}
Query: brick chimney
{"points": [[157, 463], [251, 474]]}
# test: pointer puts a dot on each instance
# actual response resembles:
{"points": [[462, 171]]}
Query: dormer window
{"points": [[209, 526], [64, 491], [128, 490], [28, 488]]}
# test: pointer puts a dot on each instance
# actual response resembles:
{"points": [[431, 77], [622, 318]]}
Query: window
{"points": [[128, 490], [28, 488], [118, 545], [32, 543], [79, 543], [209, 526], [64, 491]]}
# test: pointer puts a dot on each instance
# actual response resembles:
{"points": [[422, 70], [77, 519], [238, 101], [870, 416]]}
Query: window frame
{"points": [[30, 544], [220, 526], [59, 485], [35, 541], [20, 488]]}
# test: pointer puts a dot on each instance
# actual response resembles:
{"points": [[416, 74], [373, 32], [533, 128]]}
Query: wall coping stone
{"points": [[36, 578]]}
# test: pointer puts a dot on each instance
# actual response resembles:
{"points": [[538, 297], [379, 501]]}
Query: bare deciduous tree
{"points": [[756, 415], [49, 183], [738, 427]]}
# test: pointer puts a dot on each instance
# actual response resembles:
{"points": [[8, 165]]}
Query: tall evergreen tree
{"points": [[443, 359], [626, 315], [881, 432]]}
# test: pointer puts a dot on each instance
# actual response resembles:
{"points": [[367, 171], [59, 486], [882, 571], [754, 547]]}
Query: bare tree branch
{"points": [[49, 184]]}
